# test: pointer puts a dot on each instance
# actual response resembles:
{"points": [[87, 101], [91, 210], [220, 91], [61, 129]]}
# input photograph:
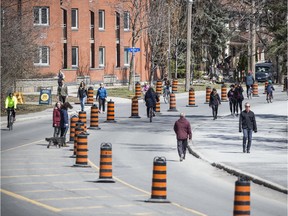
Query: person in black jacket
{"points": [[238, 95], [247, 123], [214, 102], [232, 100], [82, 95], [151, 98]]}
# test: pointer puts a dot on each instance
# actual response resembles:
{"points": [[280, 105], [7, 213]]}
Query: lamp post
{"points": [[188, 57]]}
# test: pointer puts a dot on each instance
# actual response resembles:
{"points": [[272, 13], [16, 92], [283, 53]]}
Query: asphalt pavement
{"points": [[220, 144]]}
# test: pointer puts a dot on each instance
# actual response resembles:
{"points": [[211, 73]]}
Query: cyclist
{"points": [[167, 86], [151, 98], [10, 106], [269, 90]]}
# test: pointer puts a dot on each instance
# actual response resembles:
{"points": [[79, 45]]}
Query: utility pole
{"points": [[253, 39], [169, 44], [188, 57]]}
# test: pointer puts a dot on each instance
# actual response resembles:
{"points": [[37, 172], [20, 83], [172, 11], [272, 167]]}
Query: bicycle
{"points": [[151, 113], [166, 96], [10, 118], [269, 97], [250, 92]]}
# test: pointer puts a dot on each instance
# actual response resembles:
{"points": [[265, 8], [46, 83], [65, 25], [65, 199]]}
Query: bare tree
{"points": [[137, 20], [18, 44]]}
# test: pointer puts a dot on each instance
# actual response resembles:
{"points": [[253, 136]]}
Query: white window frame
{"points": [[126, 21], [75, 10], [77, 57], [101, 25], [41, 53], [101, 62], [39, 9], [126, 57]]}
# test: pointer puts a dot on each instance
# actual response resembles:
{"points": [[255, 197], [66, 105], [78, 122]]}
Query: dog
{"points": [[57, 141]]}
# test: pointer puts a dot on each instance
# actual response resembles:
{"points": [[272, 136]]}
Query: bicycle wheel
{"points": [[10, 121], [165, 98], [150, 113]]}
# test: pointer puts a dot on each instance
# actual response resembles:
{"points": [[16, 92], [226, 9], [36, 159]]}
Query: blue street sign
{"points": [[133, 50]]}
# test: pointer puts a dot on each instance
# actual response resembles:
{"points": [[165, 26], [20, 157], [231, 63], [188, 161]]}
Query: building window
{"points": [[74, 18], [75, 57], [101, 56], [126, 57], [126, 21], [42, 56], [101, 19], [41, 16]]}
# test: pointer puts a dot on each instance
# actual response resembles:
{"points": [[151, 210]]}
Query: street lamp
{"points": [[188, 57]]}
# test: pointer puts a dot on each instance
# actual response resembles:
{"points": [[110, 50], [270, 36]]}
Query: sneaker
{"points": [[7, 126], [14, 119], [103, 112]]}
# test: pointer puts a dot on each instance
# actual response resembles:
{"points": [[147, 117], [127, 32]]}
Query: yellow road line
{"points": [[143, 191], [21, 146], [17, 196]]}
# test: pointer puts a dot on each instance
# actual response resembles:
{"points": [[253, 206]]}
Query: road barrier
{"points": [[157, 107], [20, 97], [82, 150], [224, 93], [78, 130], [208, 92], [83, 118], [172, 103], [242, 198], [159, 181], [138, 90], [134, 108], [105, 171], [159, 87], [255, 90], [110, 112], [191, 100], [90, 97], [174, 85], [94, 118], [73, 120]]}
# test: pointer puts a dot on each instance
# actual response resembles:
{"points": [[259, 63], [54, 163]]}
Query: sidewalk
{"points": [[267, 162]]}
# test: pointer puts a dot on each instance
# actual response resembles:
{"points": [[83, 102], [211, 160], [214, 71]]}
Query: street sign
{"points": [[133, 49], [45, 96]]}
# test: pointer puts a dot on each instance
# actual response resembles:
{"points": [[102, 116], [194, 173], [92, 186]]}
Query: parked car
{"points": [[264, 72]]}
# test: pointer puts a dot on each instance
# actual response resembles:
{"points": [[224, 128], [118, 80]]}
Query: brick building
{"points": [[87, 37]]}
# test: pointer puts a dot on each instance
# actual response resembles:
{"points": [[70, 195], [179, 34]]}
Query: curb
{"points": [[236, 172]]}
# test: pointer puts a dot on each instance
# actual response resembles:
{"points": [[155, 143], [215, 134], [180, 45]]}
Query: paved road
{"points": [[46, 179]]}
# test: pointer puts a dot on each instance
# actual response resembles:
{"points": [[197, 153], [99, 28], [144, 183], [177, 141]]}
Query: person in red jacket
{"points": [[56, 119], [183, 132]]}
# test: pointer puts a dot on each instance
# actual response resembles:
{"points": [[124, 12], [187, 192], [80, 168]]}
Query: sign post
{"points": [[134, 50], [45, 96]]}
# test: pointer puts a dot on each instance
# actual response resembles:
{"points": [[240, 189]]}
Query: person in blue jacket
{"points": [[101, 97], [64, 121]]}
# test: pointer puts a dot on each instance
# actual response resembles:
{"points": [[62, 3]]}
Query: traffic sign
{"points": [[133, 49]]}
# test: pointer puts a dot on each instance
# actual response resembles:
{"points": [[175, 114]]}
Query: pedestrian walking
{"points": [[238, 93], [249, 81], [82, 95], [232, 100], [101, 97], [62, 92], [61, 77], [57, 119], [214, 103], [64, 121], [183, 132], [247, 123]]}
